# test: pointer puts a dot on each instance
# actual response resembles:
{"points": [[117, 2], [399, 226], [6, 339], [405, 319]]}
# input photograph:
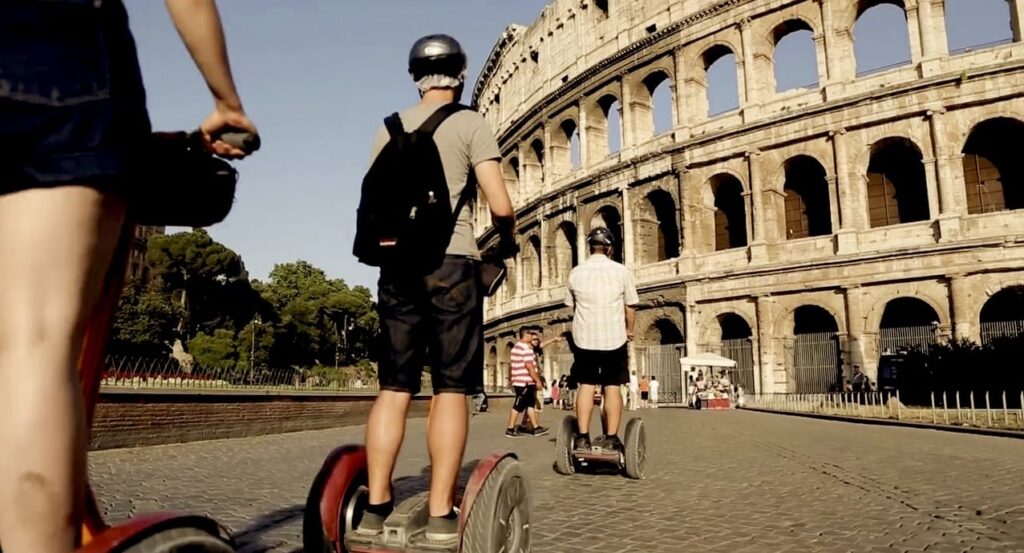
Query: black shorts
{"points": [[72, 102], [526, 397], [643, 395], [434, 321], [601, 368]]}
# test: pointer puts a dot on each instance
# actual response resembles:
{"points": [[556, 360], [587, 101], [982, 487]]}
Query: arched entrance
{"points": [[658, 357], [1003, 315], [491, 368], [907, 324], [736, 343], [815, 364]]}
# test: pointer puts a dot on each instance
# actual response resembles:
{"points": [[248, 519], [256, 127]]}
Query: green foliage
{"points": [[216, 350], [298, 318], [963, 366], [145, 322]]}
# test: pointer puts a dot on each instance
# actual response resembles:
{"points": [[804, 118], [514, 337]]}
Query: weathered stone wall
{"points": [[842, 196]]}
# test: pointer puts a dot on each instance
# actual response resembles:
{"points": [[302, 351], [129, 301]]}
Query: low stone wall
{"points": [[145, 418]]}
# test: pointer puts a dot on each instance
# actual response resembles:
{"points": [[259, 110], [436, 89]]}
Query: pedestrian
{"points": [[603, 298], [645, 392], [73, 120], [632, 392], [430, 295], [654, 391], [555, 395], [525, 382]]}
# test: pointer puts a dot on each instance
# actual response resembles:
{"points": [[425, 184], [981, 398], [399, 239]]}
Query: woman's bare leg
{"points": [[55, 249]]}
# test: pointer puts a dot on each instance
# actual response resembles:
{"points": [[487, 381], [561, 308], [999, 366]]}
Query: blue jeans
{"points": [[72, 102]]}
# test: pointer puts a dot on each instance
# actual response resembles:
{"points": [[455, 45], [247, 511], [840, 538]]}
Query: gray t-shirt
{"points": [[464, 140]]}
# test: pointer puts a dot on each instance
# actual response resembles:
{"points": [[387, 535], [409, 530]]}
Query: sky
{"points": [[318, 77]]}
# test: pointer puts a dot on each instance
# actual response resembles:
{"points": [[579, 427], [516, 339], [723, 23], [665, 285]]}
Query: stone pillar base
{"points": [[948, 228], [931, 66], [833, 90], [846, 242], [758, 252]]}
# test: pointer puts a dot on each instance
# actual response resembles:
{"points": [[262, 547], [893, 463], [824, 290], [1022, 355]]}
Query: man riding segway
{"points": [[602, 295]]}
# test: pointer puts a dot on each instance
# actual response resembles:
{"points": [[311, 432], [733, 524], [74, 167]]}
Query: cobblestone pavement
{"points": [[717, 481]]}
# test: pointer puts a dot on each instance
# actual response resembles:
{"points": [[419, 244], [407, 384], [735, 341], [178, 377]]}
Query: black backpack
{"points": [[405, 218]]}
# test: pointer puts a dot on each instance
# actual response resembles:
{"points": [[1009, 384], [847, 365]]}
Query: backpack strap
{"points": [[444, 112], [394, 125], [465, 196]]}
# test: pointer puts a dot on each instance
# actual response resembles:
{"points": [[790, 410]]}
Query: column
{"points": [[756, 190], [821, 55], [582, 228], [584, 134], [548, 165], [763, 355], [1017, 19], [855, 326], [914, 33], [824, 44], [849, 189], [925, 24], [628, 248], [963, 319], [547, 248], [683, 119], [626, 118], [933, 38], [690, 325], [841, 63], [751, 99]]}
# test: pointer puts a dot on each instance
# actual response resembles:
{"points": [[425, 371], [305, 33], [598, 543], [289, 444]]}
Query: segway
{"points": [[631, 462], [216, 179], [494, 514]]}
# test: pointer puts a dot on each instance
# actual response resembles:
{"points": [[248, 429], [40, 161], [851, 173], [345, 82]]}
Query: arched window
{"points": [[907, 323], [609, 218], [657, 230], [808, 211], [993, 169], [1003, 315], [730, 212], [974, 24], [723, 92], [612, 110], [881, 18], [565, 255], [897, 192], [795, 61]]}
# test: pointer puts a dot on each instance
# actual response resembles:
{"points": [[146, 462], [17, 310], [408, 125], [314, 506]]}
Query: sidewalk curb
{"points": [[1012, 434]]}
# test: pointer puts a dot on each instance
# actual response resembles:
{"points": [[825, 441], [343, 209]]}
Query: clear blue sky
{"points": [[318, 79]]}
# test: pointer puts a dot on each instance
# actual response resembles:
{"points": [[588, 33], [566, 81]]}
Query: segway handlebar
{"points": [[248, 141]]}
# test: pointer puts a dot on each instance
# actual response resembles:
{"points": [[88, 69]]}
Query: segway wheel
{"points": [[636, 449], [564, 463], [336, 501], [499, 518], [181, 540]]}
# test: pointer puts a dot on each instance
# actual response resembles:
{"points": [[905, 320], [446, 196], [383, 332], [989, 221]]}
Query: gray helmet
{"points": [[437, 55], [601, 236]]}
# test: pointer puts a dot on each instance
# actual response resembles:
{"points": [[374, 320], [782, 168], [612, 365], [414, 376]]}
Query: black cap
{"points": [[437, 55], [601, 236]]}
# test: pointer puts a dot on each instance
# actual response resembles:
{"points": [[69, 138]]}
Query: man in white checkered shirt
{"points": [[603, 297]]}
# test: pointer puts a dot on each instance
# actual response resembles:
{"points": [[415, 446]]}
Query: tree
{"points": [[145, 321], [205, 279], [214, 350]]}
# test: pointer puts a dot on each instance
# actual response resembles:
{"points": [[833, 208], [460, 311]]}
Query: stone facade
{"points": [[138, 268], [861, 210]]}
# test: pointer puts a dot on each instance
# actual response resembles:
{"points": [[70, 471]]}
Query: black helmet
{"points": [[437, 55], [601, 236]]}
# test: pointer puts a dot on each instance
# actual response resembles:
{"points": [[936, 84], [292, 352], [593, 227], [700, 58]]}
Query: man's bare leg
{"points": [[584, 406], [446, 440], [385, 431], [612, 409]]}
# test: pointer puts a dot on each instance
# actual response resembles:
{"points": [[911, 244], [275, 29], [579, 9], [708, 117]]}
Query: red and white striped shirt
{"points": [[522, 355]]}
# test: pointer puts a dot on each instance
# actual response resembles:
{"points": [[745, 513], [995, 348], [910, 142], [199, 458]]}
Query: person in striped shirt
{"points": [[603, 298], [525, 380]]}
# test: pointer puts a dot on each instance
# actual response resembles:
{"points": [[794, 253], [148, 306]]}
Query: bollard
{"points": [[988, 411], [1006, 412], [935, 419], [945, 410], [958, 417], [899, 406], [973, 420]]}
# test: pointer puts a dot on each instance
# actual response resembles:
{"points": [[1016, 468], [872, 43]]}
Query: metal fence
{"points": [[662, 362], [1003, 410], [816, 367], [994, 330], [906, 337], [741, 351]]}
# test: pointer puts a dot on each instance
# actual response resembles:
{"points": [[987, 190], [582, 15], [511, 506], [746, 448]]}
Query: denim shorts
{"points": [[72, 102], [434, 321]]}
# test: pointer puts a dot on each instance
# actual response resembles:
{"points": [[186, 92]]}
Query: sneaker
{"points": [[614, 443], [511, 433], [581, 442], [371, 524], [540, 430], [443, 530]]}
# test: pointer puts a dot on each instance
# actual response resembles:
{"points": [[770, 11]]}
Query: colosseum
{"points": [[798, 230]]}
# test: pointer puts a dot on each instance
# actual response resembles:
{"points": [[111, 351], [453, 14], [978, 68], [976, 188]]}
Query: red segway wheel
{"points": [[336, 501]]}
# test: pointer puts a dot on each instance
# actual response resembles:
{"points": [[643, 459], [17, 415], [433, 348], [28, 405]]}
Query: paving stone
{"points": [[717, 481]]}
